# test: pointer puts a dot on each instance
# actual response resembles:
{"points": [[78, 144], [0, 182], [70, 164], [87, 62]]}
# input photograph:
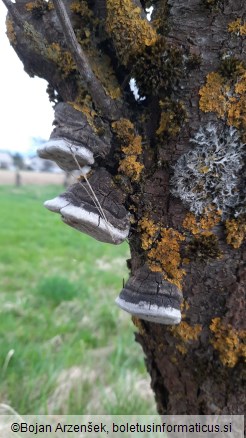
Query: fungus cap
{"points": [[95, 209], [148, 296], [73, 141], [63, 151]]}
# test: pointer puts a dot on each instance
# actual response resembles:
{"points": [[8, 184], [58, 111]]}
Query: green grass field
{"points": [[65, 347]]}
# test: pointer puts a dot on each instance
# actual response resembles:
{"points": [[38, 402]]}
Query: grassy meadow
{"points": [[65, 347]]}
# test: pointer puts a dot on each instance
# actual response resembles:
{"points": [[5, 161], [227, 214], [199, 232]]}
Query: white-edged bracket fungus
{"points": [[148, 296], [96, 208], [73, 141]]}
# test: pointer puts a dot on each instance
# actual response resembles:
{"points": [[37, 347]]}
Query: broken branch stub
{"points": [[99, 212], [148, 296], [72, 137], [102, 101]]}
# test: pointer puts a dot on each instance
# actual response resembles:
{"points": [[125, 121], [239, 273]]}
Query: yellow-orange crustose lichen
{"points": [[235, 231], [204, 225], [214, 94], [162, 246], [86, 24], [184, 307], [101, 66], [124, 131], [236, 111], [185, 334], [62, 58], [149, 232], [10, 31], [130, 32], [39, 5], [131, 167], [165, 257], [226, 98], [131, 146], [237, 27], [173, 115], [204, 245], [30, 6], [84, 104], [81, 7], [229, 342]]}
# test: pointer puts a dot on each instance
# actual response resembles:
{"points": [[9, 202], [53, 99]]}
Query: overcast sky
{"points": [[26, 112]]}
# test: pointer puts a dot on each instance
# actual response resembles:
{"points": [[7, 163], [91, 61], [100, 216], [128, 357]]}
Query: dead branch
{"points": [[102, 101]]}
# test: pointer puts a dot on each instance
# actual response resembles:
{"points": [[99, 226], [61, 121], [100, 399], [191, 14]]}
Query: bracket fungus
{"points": [[148, 296], [94, 207], [72, 139]]}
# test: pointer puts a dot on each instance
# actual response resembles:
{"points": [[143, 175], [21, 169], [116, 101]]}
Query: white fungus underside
{"points": [[56, 204], [88, 222], [68, 148], [150, 312]]}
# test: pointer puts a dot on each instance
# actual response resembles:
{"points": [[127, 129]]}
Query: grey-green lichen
{"points": [[211, 173]]}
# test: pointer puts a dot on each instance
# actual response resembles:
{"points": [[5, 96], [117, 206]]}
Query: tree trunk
{"points": [[173, 159]]}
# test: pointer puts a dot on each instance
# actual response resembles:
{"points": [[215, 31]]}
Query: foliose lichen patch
{"points": [[210, 174]]}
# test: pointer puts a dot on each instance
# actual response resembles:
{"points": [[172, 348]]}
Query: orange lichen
{"points": [[10, 32], [168, 124], [85, 106], [62, 58], [186, 334], [229, 342], [213, 94], [203, 226], [50, 5], [184, 307], [85, 24], [124, 130], [81, 8], [210, 219], [204, 245], [236, 110], [226, 97], [102, 68], [235, 231], [31, 5], [39, 6], [237, 27], [173, 115], [162, 246], [129, 31], [131, 146], [131, 167], [149, 231], [165, 256], [135, 147], [190, 224], [185, 261]]}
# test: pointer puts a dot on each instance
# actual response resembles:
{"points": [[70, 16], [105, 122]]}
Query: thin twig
{"points": [[14, 13], [95, 88]]}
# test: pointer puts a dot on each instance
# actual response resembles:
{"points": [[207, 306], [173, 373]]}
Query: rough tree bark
{"points": [[173, 160]]}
